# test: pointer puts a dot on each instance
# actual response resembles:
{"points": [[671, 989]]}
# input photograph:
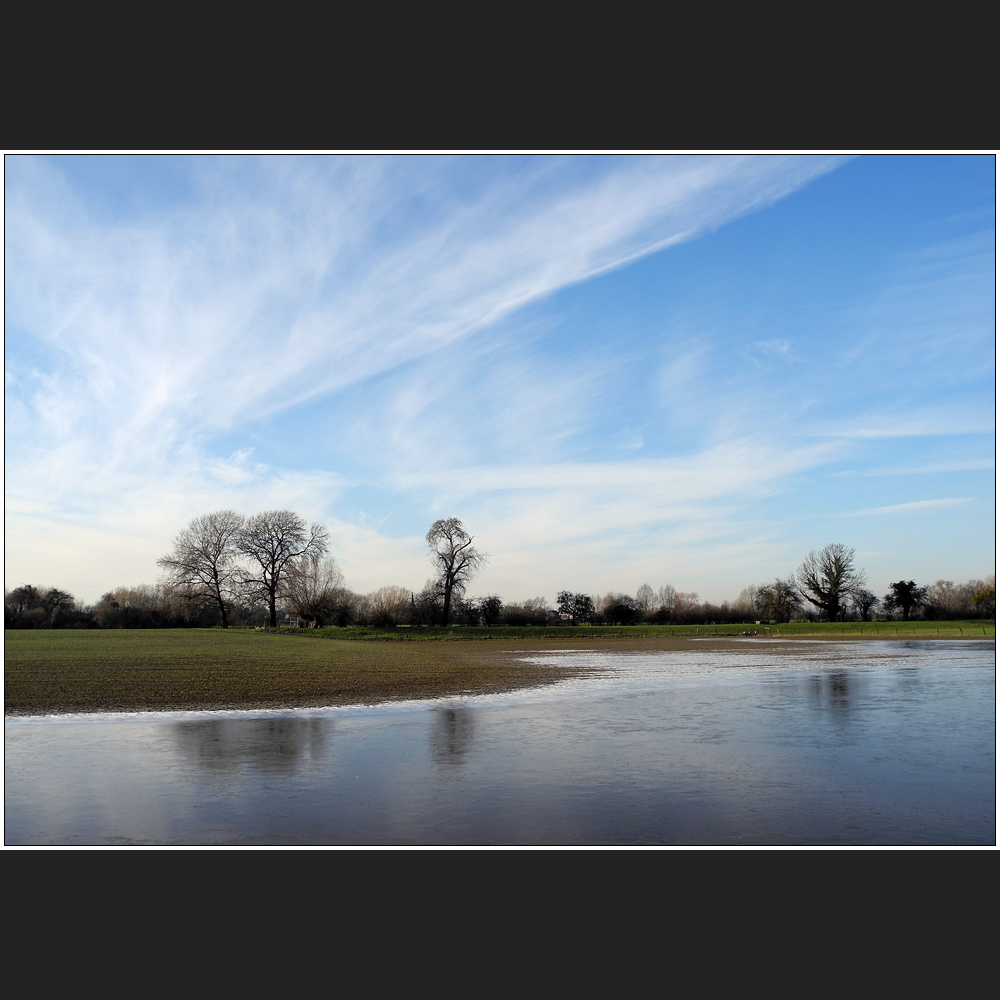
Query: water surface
{"points": [[786, 742]]}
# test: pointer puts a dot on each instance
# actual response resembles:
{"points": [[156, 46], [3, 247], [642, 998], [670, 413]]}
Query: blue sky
{"points": [[615, 370]]}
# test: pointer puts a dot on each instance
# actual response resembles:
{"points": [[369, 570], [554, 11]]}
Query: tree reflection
{"points": [[835, 690], [273, 745], [451, 734]]}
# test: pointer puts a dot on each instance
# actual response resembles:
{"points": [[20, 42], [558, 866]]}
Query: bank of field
{"points": [[145, 669], [866, 630]]}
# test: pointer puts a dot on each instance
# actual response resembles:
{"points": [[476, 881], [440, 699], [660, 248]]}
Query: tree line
{"points": [[829, 586], [273, 568]]}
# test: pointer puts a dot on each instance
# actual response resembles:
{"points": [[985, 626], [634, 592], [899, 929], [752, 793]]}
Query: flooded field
{"points": [[770, 742]]}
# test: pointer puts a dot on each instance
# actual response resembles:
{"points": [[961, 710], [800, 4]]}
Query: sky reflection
{"points": [[853, 743]]}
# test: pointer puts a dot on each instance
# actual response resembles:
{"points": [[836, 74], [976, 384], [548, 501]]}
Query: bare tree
{"points": [[454, 558], [204, 560], [145, 606], [684, 604], [662, 609], [387, 606], [748, 603], [314, 589], [666, 596], [273, 541], [425, 607], [130, 607], [973, 599], [827, 580], [864, 603], [533, 611]]}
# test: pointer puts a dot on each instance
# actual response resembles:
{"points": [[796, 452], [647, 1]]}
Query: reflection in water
{"points": [[275, 745], [834, 692], [864, 743], [837, 690], [451, 734]]}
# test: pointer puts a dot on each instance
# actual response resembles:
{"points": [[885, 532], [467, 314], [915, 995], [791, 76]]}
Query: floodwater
{"points": [[774, 743]]}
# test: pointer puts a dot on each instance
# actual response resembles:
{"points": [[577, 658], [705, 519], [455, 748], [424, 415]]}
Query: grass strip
{"points": [[465, 633]]}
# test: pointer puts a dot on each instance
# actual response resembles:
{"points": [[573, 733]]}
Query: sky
{"points": [[616, 370]]}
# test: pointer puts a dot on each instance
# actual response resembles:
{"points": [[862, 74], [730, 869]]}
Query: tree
{"points": [[533, 611], [579, 607], [905, 595], [314, 589], [865, 603], [425, 607], [40, 607], [972, 599], [204, 561], [685, 606], [454, 558], [273, 541], [778, 601], [826, 580], [490, 609], [388, 606], [985, 598], [666, 597], [22, 607], [145, 606], [646, 599], [620, 609]]}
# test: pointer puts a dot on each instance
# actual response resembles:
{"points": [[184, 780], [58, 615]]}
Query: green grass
{"points": [[920, 629]]}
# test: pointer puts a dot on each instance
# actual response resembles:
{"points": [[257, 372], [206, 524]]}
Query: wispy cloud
{"points": [[927, 423], [935, 468], [131, 341], [778, 349], [914, 505], [160, 360], [931, 314], [249, 306]]}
